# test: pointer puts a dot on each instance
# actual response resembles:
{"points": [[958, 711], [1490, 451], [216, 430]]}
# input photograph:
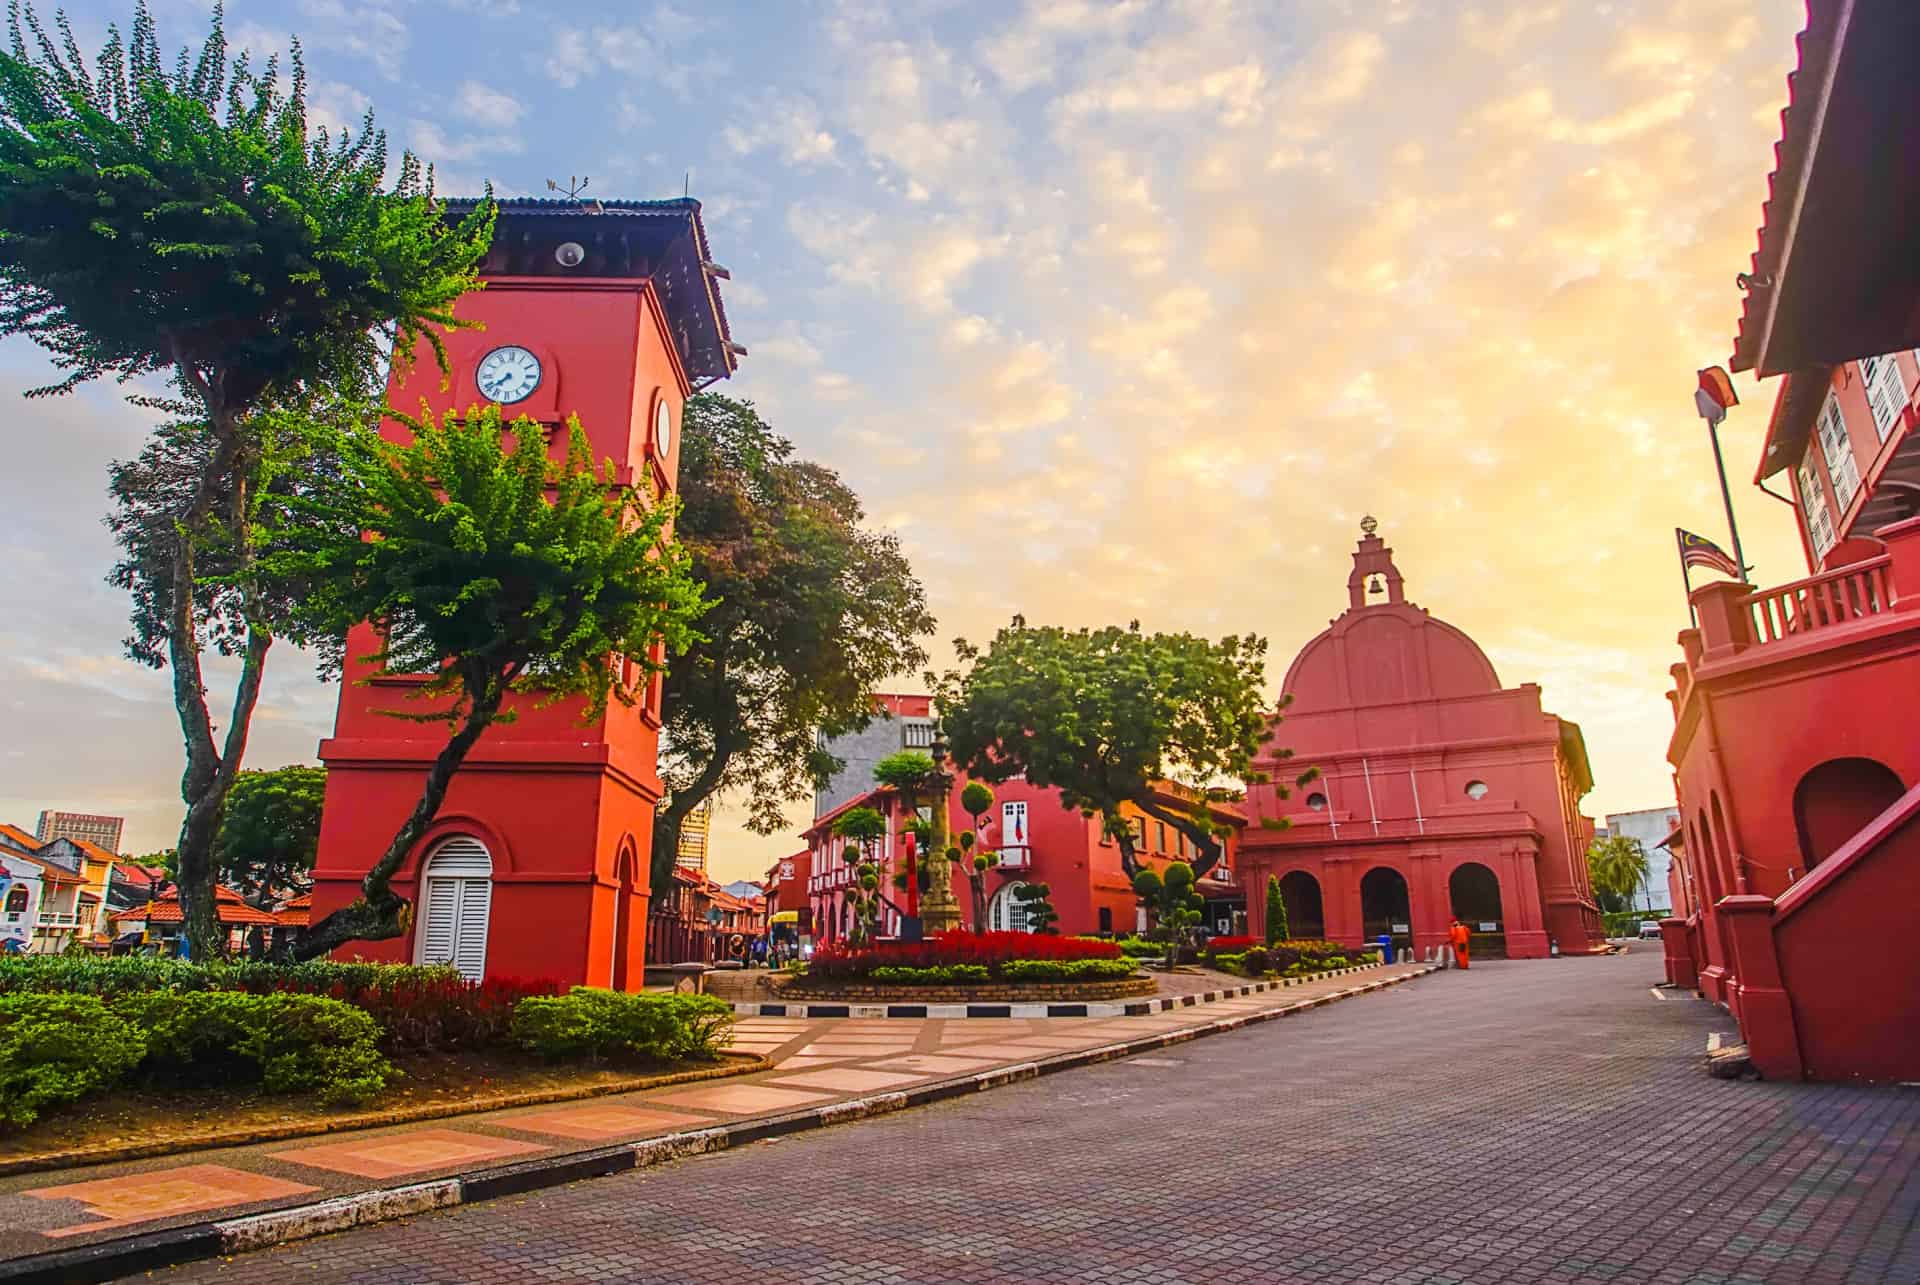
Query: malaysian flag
{"points": [[1698, 551]]}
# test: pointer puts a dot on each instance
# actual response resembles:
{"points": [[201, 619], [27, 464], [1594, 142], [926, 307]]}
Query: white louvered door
{"points": [[458, 902]]}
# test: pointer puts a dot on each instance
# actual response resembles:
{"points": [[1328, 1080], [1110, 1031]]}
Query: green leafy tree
{"points": [[1036, 908], [1170, 898], [181, 221], [1277, 929], [1101, 715], [863, 828], [1618, 868], [496, 572], [813, 612], [270, 832], [976, 800]]}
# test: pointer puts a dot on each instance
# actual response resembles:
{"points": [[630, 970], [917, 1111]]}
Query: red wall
{"points": [[1844, 941]]}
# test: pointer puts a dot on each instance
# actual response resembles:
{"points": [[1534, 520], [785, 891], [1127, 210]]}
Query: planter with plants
{"points": [[963, 966]]}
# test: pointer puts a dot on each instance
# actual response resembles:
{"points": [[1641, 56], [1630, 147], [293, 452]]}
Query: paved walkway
{"points": [[1522, 1122], [819, 1062]]}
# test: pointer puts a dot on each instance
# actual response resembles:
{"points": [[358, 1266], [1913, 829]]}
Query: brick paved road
{"points": [[1562, 1136]]}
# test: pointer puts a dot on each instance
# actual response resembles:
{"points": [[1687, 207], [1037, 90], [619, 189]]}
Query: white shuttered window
{"points": [[1886, 392], [456, 901], [1838, 449]]}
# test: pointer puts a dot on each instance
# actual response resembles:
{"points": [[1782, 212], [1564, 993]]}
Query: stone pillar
{"points": [[1726, 625], [1520, 904], [1679, 955], [1764, 1009]]}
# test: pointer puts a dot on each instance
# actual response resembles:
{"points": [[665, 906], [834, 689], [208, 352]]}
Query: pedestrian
{"points": [[1458, 937]]}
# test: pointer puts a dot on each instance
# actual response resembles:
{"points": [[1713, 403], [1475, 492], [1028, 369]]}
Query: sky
{"points": [[1111, 311]]}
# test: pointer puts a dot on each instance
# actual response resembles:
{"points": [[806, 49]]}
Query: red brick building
{"points": [[1040, 841], [1442, 794], [1796, 761], [537, 864]]}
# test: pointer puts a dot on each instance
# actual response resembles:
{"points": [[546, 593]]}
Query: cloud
{"points": [[484, 105]]}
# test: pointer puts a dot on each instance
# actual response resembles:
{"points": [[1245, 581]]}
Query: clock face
{"points": [[662, 429], [508, 375]]}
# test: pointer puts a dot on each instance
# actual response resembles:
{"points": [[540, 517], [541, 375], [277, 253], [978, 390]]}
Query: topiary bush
{"points": [[56, 1049], [591, 1023]]}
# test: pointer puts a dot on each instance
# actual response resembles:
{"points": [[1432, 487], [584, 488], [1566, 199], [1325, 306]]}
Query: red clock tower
{"points": [[537, 864]]}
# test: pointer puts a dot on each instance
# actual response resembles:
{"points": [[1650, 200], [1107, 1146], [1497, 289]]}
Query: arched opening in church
{"points": [[1306, 916], [1386, 908], [1474, 894]]}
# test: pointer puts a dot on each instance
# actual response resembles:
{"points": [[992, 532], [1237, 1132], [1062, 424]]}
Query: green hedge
{"points": [[56, 1049], [289, 1043], [120, 975], [1066, 970], [598, 1023], [938, 975]]}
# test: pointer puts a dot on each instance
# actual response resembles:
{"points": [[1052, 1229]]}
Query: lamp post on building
{"points": [[1713, 398], [939, 911]]}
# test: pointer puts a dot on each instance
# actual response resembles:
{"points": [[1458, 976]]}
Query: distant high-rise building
{"points": [[899, 723], [103, 831], [693, 837]]}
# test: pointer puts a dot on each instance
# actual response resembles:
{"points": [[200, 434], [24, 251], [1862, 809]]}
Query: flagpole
{"points": [[1726, 498]]}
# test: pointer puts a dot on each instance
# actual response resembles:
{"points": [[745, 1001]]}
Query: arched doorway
{"points": [[1836, 800], [1386, 907], [1473, 892], [456, 902], [1005, 913], [1306, 914], [623, 977]]}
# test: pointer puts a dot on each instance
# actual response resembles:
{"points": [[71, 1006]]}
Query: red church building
{"points": [[1441, 793], [1795, 752], [537, 865]]}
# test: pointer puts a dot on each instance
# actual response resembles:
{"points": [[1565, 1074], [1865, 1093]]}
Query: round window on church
{"points": [[1476, 790], [1317, 801]]}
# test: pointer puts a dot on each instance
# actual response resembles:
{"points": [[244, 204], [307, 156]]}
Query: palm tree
{"points": [[1619, 867]]}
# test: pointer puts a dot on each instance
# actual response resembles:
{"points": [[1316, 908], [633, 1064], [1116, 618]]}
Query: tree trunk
{"points": [[379, 913], [208, 773]]}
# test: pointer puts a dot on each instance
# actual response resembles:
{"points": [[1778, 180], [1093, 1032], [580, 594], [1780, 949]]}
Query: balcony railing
{"points": [[53, 919], [1852, 592]]}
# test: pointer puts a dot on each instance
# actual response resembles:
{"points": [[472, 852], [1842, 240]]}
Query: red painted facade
{"points": [[1441, 793], [1796, 762], [563, 810], [1038, 841]]}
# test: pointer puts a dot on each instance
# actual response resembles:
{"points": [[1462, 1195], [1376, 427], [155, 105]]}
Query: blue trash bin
{"points": [[1386, 948]]}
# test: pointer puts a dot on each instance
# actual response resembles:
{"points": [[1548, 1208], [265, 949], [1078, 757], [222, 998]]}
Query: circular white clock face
{"points": [[663, 429], [508, 375]]}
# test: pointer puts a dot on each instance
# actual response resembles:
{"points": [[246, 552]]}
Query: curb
{"points": [[320, 1126], [1090, 1008], [112, 1259]]}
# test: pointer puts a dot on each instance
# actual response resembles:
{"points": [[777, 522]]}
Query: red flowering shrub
{"points": [[1232, 945], [944, 950], [434, 1014]]}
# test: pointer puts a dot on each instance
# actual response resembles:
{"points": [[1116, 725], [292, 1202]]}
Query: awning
{"points": [[785, 917]]}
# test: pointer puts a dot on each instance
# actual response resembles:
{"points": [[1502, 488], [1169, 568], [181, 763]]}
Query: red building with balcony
{"points": [[1796, 759], [537, 863], [1037, 840], [1442, 794]]}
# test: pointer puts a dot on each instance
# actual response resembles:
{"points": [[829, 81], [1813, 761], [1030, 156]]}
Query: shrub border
{"points": [[41, 1161], [111, 1259], [1030, 1009]]}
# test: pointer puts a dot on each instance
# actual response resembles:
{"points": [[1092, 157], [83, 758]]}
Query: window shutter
{"points": [[459, 901]]}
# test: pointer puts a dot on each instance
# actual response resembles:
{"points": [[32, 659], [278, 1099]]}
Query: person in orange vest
{"points": [[1457, 936]]}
